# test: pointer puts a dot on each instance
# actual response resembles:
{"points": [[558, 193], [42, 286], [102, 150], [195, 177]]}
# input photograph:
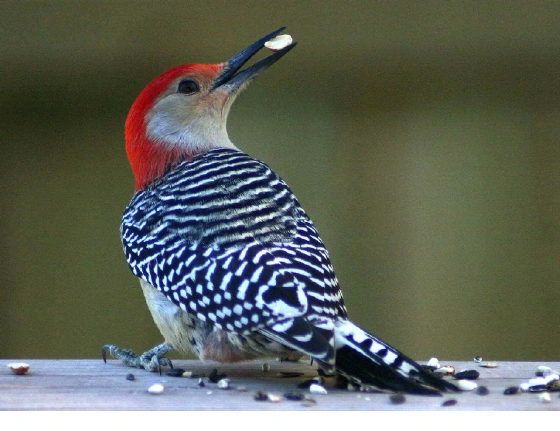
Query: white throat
{"points": [[196, 132]]}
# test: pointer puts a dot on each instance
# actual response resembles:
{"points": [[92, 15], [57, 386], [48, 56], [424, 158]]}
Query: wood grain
{"points": [[93, 385]]}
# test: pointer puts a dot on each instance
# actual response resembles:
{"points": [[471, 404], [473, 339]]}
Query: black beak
{"points": [[233, 81]]}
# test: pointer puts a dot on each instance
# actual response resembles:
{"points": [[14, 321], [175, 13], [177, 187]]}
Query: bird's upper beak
{"points": [[232, 81]]}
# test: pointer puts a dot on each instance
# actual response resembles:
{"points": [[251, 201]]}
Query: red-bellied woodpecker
{"points": [[231, 266]]}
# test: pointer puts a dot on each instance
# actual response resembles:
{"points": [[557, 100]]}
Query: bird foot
{"points": [[152, 360]]}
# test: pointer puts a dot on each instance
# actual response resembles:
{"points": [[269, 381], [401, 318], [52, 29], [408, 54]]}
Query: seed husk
{"points": [[467, 375], [273, 398], [19, 368], [433, 362], [542, 369], [306, 383], [317, 389], [294, 396], [215, 377], [538, 388], [512, 390], [446, 370], [260, 396], [223, 384], [175, 372], [308, 402], [201, 382], [482, 390], [488, 364]]}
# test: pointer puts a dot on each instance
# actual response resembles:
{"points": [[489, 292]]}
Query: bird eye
{"points": [[188, 86]]}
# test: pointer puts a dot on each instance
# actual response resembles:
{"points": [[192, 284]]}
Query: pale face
{"points": [[191, 115]]}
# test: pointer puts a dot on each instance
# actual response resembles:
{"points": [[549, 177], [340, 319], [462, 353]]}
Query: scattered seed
{"points": [[273, 398], [545, 397], [320, 380], [209, 393], [542, 369], [188, 374], [447, 370], [466, 385], [294, 396], [214, 377], [488, 364], [266, 367], [306, 383], [156, 389], [433, 362], [537, 388], [478, 359], [130, 377], [482, 390], [289, 374], [201, 382], [317, 389], [175, 372], [397, 399], [242, 388], [260, 396], [467, 374], [279, 42], [223, 384], [512, 390], [538, 384], [537, 381], [308, 402], [19, 368], [449, 403]]}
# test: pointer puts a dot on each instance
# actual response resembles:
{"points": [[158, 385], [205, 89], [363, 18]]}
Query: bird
{"points": [[231, 266]]}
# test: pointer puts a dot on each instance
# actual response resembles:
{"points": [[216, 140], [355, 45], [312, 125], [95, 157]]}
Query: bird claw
{"points": [[152, 360]]}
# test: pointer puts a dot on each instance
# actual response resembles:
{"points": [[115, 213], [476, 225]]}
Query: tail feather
{"points": [[364, 358]]}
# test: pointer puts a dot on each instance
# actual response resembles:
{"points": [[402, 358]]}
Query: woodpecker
{"points": [[230, 265]]}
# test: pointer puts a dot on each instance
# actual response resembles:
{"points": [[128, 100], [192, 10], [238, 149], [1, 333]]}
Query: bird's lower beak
{"points": [[232, 81]]}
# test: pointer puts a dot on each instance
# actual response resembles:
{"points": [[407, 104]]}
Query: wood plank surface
{"points": [[94, 385]]}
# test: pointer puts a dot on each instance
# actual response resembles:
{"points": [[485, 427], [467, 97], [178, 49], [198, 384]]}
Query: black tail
{"points": [[364, 358]]}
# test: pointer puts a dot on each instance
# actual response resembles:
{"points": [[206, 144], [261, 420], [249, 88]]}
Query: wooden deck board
{"points": [[93, 385]]}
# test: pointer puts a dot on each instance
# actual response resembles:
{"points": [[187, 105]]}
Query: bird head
{"points": [[183, 112]]}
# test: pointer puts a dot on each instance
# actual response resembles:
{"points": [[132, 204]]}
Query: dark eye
{"points": [[188, 86]]}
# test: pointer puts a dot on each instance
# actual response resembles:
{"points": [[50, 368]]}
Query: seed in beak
{"points": [[279, 42]]}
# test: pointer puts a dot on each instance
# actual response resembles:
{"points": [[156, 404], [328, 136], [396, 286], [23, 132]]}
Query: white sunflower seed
{"points": [[156, 389], [279, 42]]}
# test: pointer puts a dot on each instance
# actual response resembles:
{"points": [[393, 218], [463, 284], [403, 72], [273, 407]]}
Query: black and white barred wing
{"points": [[225, 239]]}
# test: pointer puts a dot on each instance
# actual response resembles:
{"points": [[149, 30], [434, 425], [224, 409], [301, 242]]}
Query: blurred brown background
{"points": [[423, 138]]}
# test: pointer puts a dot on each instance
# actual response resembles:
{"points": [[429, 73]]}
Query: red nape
{"points": [[149, 160]]}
